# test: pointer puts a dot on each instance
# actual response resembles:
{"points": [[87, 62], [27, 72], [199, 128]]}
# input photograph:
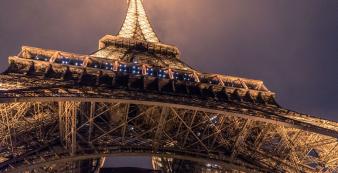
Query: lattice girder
{"points": [[65, 112], [96, 129]]}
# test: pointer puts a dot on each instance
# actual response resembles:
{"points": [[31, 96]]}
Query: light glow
{"points": [[137, 20]]}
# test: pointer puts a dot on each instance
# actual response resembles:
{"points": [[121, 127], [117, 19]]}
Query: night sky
{"points": [[291, 45]]}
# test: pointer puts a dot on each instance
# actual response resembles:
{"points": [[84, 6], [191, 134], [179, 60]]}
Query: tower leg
{"points": [[68, 125]]}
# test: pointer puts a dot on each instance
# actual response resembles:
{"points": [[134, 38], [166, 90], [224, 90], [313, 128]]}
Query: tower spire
{"points": [[136, 24]]}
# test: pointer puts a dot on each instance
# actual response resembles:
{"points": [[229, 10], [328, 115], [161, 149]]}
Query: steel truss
{"points": [[65, 112], [39, 136]]}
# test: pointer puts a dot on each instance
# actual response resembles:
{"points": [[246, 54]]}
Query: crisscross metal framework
{"points": [[65, 112], [38, 136]]}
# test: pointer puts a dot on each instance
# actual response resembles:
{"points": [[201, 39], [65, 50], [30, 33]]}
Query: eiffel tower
{"points": [[67, 112]]}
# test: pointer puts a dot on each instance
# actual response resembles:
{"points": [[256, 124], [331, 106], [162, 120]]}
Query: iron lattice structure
{"points": [[65, 112]]}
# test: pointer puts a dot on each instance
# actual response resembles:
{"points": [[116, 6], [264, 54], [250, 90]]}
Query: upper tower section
{"points": [[136, 25]]}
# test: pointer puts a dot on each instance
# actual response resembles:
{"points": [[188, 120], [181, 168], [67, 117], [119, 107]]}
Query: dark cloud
{"points": [[291, 45]]}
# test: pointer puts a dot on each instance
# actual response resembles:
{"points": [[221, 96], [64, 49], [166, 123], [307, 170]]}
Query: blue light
{"points": [[150, 72], [123, 68]]}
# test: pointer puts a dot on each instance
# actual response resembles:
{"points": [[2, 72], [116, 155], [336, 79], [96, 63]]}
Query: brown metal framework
{"points": [[65, 112], [35, 135], [97, 122]]}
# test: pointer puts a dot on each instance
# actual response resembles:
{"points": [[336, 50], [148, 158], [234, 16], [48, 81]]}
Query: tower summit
{"points": [[67, 112], [136, 25]]}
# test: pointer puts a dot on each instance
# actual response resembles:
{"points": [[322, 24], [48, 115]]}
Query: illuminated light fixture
{"points": [[214, 119], [198, 133]]}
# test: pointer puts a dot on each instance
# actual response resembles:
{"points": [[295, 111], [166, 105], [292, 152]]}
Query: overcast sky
{"points": [[292, 45]]}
